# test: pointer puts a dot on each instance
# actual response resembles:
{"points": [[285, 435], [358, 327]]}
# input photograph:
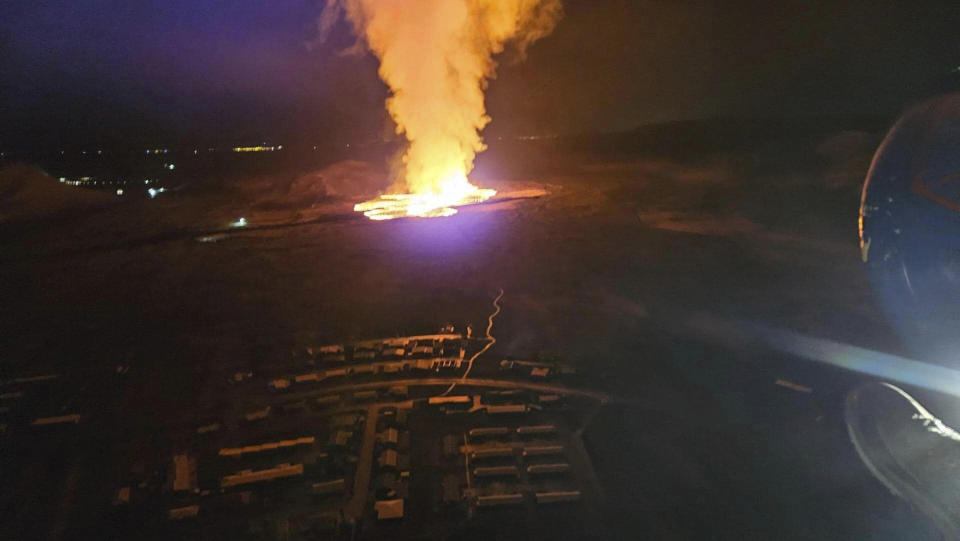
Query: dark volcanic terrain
{"points": [[641, 235]]}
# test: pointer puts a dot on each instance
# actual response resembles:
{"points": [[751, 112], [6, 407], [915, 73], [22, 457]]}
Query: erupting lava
{"points": [[437, 56], [454, 192]]}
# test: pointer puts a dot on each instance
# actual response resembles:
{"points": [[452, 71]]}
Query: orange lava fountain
{"points": [[436, 56], [454, 192]]}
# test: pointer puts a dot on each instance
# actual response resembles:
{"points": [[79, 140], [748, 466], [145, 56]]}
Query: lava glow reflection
{"points": [[455, 191]]}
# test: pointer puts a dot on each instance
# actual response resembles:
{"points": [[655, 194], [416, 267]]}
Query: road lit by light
{"points": [[240, 222]]}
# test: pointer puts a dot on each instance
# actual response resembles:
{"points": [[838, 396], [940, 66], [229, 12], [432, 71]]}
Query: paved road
{"points": [[361, 481], [475, 382]]}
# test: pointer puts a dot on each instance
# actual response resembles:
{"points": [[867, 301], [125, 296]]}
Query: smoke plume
{"points": [[437, 57]]}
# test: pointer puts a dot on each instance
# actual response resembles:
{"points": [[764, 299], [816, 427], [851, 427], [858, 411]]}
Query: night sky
{"points": [[117, 72]]}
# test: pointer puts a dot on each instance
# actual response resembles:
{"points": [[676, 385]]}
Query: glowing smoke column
{"points": [[436, 56]]}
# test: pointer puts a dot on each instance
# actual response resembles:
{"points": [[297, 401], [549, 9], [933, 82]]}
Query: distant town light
{"points": [[153, 192], [241, 222], [63, 179], [171, 167], [119, 191]]}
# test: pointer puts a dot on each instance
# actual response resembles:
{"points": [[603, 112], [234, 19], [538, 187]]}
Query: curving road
{"points": [[474, 382]]}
